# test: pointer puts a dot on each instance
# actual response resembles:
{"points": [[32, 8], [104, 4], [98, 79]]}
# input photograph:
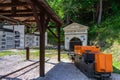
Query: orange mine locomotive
{"points": [[92, 62]]}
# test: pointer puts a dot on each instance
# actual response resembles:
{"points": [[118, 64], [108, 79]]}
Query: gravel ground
{"points": [[10, 60], [64, 70]]}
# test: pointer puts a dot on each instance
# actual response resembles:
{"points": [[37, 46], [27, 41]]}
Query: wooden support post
{"points": [[27, 53], [58, 31], [40, 20], [42, 45], [42, 54], [42, 23]]}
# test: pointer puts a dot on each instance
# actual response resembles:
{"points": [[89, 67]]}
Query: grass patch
{"points": [[34, 53], [116, 67], [65, 56], [4, 53], [49, 54], [9, 52]]}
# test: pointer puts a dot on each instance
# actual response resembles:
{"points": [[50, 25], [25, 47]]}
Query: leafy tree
{"points": [[86, 12]]}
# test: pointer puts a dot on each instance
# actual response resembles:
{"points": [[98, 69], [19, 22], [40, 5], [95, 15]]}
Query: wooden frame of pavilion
{"points": [[32, 11]]}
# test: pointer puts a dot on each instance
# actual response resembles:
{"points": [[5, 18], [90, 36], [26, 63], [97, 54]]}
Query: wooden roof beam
{"points": [[37, 17], [11, 5], [19, 15], [14, 7], [13, 20], [42, 5], [17, 11], [29, 21], [52, 32]]}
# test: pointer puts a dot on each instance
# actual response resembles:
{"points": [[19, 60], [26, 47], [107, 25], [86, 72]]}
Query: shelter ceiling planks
{"points": [[21, 9]]}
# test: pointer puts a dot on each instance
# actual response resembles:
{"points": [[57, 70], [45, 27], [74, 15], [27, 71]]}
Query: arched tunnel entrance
{"points": [[74, 41]]}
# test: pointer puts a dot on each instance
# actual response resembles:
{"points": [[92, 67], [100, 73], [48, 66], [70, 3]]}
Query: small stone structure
{"points": [[75, 34]]}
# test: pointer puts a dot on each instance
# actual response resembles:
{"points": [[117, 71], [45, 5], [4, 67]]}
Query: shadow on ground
{"points": [[64, 71], [8, 78], [59, 71]]}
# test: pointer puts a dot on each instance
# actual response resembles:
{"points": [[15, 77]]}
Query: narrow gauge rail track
{"points": [[26, 68], [22, 70]]}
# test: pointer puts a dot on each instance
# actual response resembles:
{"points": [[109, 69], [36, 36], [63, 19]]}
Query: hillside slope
{"points": [[107, 36]]}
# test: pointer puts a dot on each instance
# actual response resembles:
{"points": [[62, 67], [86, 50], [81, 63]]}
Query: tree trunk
{"points": [[94, 16], [67, 19], [97, 12], [100, 13]]}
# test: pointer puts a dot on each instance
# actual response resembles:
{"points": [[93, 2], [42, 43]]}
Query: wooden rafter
{"points": [[19, 15], [52, 32], [11, 5], [17, 11], [37, 19], [50, 13], [13, 20], [27, 11]]}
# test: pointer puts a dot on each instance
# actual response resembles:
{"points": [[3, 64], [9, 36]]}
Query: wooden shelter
{"points": [[32, 11]]}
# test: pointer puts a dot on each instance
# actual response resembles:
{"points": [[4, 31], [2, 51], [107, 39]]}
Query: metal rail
{"points": [[18, 70]]}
